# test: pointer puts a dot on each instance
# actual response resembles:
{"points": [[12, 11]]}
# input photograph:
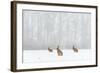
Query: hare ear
{"points": [[73, 46]]}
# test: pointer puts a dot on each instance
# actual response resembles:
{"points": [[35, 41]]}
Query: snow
{"points": [[44, 56]]}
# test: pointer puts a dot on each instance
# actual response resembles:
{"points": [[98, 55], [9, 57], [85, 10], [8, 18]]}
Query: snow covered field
{"points": [[44, 56]]}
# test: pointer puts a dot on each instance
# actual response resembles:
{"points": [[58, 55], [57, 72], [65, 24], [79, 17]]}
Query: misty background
{"points": [[43, 29]]}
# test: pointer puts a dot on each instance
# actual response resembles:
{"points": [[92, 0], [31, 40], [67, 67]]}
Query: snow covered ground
{"points": [[44, 56]]}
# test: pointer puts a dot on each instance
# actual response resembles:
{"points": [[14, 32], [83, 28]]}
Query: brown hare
{"points": [[59, 52], [50, 50], [75, 49]]}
